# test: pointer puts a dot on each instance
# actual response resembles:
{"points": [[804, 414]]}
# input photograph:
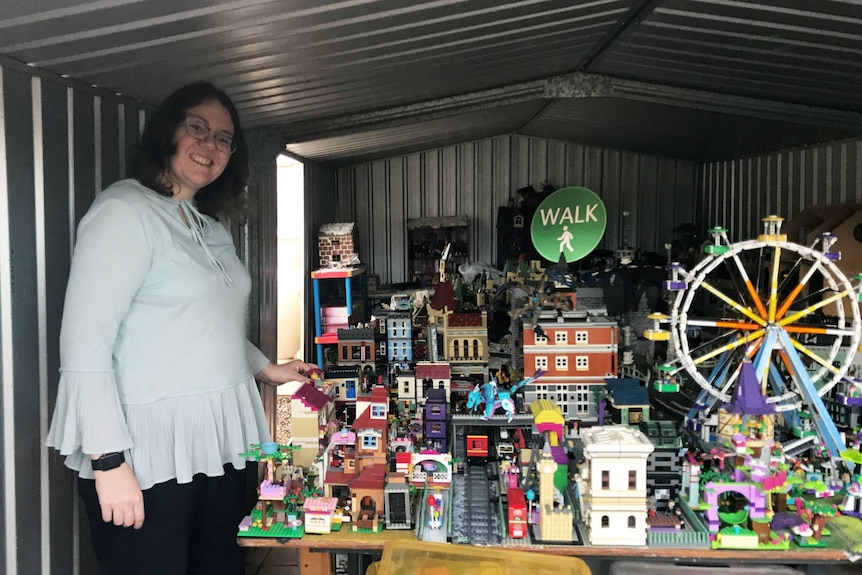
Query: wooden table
{"points": [[315, 551]]}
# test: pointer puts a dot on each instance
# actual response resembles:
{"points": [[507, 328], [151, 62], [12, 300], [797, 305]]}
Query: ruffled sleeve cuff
{"points": [[88, 417], [256, 360]]}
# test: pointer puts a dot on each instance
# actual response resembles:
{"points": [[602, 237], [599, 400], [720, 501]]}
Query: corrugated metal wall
{"points": [[58, 145], [737, 194], [476, 178]]}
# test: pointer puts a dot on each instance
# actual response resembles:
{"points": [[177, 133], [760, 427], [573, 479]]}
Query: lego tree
{"points": [[816, 512]]}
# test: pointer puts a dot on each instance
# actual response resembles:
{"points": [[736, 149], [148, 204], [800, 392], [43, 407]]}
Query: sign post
{"points": [[570, 222]]}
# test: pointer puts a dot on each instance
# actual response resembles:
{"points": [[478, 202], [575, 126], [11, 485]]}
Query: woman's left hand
{"points": [[296, 370]]}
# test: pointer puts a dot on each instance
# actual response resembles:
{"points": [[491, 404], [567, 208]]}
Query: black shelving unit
{"points": [[427, 238]]}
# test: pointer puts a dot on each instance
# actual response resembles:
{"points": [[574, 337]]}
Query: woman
{"points": [[157, 394]]}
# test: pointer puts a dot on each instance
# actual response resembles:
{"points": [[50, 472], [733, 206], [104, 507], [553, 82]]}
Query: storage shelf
{"points": [[345, 308]]}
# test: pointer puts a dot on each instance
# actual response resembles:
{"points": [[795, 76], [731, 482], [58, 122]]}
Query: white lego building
{"points": [[615, 501]]}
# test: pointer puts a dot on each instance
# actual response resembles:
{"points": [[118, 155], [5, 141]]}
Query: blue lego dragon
{"points": [[493, 397]]}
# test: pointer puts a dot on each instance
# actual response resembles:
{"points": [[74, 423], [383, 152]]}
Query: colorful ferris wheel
{"points": [[785, 307]]}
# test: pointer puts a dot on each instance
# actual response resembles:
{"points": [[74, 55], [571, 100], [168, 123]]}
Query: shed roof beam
{"points": [[574, 85], [316, 129]]}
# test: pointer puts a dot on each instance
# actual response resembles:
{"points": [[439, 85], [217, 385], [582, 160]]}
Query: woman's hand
{"points": [[295, 370], [120, 497]]}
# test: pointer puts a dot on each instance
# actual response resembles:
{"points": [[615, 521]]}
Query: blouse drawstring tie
{"points": [[199, 226]]}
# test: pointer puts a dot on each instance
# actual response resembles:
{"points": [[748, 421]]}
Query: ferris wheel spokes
{"points": [[788, 301], [752, 291]]}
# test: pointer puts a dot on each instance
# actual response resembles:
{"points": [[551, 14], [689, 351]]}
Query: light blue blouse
{"points": [[154, 357]]}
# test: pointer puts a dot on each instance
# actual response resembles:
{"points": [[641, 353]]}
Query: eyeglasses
{"points": [[198, 129]]}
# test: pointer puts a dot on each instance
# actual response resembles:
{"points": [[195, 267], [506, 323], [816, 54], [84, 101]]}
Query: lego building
{"points": [[335, 245], [664, 464], [465, 337], [398, 327], [356, 346], [312, 411], [615, 472], [435, 420], [578, 351], [432, 375]]}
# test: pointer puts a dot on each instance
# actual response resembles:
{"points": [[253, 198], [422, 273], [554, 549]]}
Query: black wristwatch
{"points": [[108, 461]]}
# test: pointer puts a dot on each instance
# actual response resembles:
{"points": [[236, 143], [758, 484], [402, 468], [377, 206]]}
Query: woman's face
{"points": [[201, 152]]}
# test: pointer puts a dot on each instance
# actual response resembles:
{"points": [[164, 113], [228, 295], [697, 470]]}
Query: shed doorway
{"points": [[291, 269]]}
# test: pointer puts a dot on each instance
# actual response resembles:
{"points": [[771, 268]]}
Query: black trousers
{"points": [[189, 528]]}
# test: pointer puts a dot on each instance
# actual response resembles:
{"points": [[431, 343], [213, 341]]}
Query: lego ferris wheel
{"points": [[797, 322]]}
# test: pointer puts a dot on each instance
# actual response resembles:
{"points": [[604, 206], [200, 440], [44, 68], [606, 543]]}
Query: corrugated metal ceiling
{"points": [[358, 79]]}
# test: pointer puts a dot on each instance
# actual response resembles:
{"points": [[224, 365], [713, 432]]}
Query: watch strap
{"points": [[108, 461]]}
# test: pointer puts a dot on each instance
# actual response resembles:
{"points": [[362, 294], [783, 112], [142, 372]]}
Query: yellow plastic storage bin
{"points": [[419, 558]]}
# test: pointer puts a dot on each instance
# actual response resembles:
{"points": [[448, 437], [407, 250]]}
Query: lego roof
{"points": [[465, 320], [336, 229], [312, 397], [748, 397], [364, 421], [435, 396], [356, 334], [379, 394], [627, 392], [615, 439], [343, 438], [341, 371], [432, 370], [372, 477]]}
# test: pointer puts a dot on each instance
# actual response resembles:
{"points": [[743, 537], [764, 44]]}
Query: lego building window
{"points": [[475, 348], [562, 363], [582, 337], [582, 363], [633, 479], [606, 479], [561, 337], [631, 522], [369, 442], [378, 411], [436, 427], [541, 338], [541, 362], [606, 521]]}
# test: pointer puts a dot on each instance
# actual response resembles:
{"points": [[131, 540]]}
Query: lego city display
{"points": [[461, 449]]}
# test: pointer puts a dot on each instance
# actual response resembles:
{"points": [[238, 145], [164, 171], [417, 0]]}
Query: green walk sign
{"points": [[569, 222]]}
